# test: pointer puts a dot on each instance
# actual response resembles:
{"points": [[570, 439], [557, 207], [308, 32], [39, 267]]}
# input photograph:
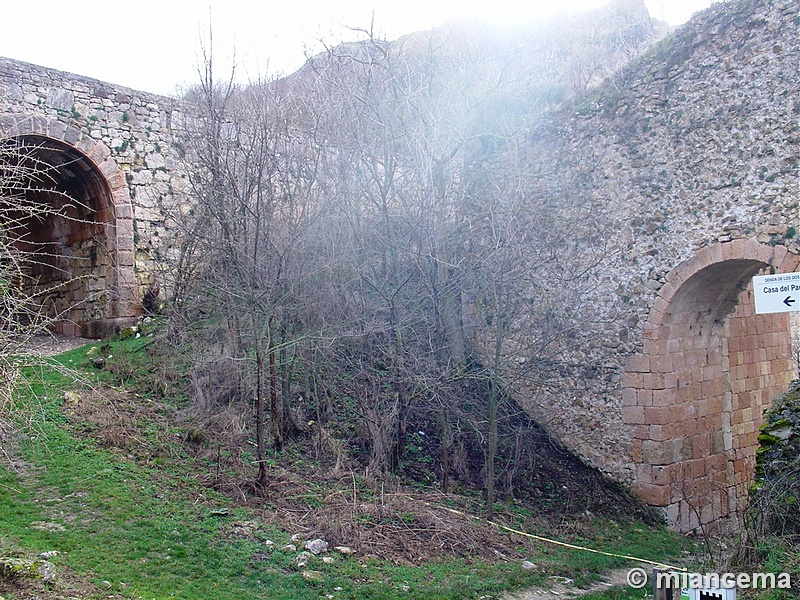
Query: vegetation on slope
{"points": [[769, 540], [138, 505]]}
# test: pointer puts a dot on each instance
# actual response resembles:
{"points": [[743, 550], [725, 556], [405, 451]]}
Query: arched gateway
{"points": [[82, 272], [696, 393]]}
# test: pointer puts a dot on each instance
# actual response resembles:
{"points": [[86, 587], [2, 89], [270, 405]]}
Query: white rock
{"points": [[72, 397], [317, 546]]}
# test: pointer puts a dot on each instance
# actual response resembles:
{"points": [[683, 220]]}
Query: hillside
{"points": [[125, 496]]}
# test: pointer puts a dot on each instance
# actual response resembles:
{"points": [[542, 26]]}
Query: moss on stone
{"points": [[20, 568], [777, 475], [765, 439]]}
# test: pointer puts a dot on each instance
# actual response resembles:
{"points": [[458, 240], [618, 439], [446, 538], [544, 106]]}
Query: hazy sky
{"points": [[154, 45]]}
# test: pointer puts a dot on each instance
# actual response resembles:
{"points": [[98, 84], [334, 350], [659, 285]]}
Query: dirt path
{"points": [[50, 344], [42, 345], [563, 588]]}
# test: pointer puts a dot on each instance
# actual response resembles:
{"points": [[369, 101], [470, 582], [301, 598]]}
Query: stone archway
{"points": [[696, 393], [82, 272]]}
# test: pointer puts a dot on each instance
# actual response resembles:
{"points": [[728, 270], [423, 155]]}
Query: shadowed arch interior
{"points": [[709, 296], [65, 229]]}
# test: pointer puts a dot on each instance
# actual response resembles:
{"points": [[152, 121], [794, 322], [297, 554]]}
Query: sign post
{"points": [[777, 293]]}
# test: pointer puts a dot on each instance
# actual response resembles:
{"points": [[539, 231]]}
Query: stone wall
{"points": [[125, 140], [691, 164]]}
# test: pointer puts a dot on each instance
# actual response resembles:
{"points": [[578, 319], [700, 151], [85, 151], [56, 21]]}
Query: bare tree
{"points": [[415, 130], [253, 182], [369, 227]]}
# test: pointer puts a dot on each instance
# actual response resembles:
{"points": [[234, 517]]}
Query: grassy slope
{"points": [[150, 530]]}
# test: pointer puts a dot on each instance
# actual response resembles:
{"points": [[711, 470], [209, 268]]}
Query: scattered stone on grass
{"points": [[72, 397], [21, 568], [47, 526], [317, 546]]}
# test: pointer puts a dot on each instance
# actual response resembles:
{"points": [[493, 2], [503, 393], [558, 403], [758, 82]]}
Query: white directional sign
{"points": [[777, 293]]}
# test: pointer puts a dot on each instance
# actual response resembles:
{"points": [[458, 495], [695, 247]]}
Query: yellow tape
{"points": [[556, 542]]}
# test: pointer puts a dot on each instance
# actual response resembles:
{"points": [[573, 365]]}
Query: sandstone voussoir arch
{"points": [[696, 393], [85, 269]]}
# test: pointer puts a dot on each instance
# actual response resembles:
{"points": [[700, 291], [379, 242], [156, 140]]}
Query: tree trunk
{"points": [[491, 451], [275, 409], [261, 480], [494, 397], [446, 442]]}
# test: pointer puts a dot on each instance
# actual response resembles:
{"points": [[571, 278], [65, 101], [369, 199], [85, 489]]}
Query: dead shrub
{"points": [[217, 382]]}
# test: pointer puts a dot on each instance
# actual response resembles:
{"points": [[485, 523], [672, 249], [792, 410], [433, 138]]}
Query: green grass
{"points": [[151, 531]]}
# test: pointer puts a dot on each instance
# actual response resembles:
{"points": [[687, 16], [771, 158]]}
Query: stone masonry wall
{"points": [[131, 130], [694, 151]]}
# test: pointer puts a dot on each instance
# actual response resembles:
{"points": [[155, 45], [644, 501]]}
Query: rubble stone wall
{"points": [[124, 141], [691, 162]]}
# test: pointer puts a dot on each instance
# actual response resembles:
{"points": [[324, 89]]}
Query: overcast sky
{"points": [[154, 45]]}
